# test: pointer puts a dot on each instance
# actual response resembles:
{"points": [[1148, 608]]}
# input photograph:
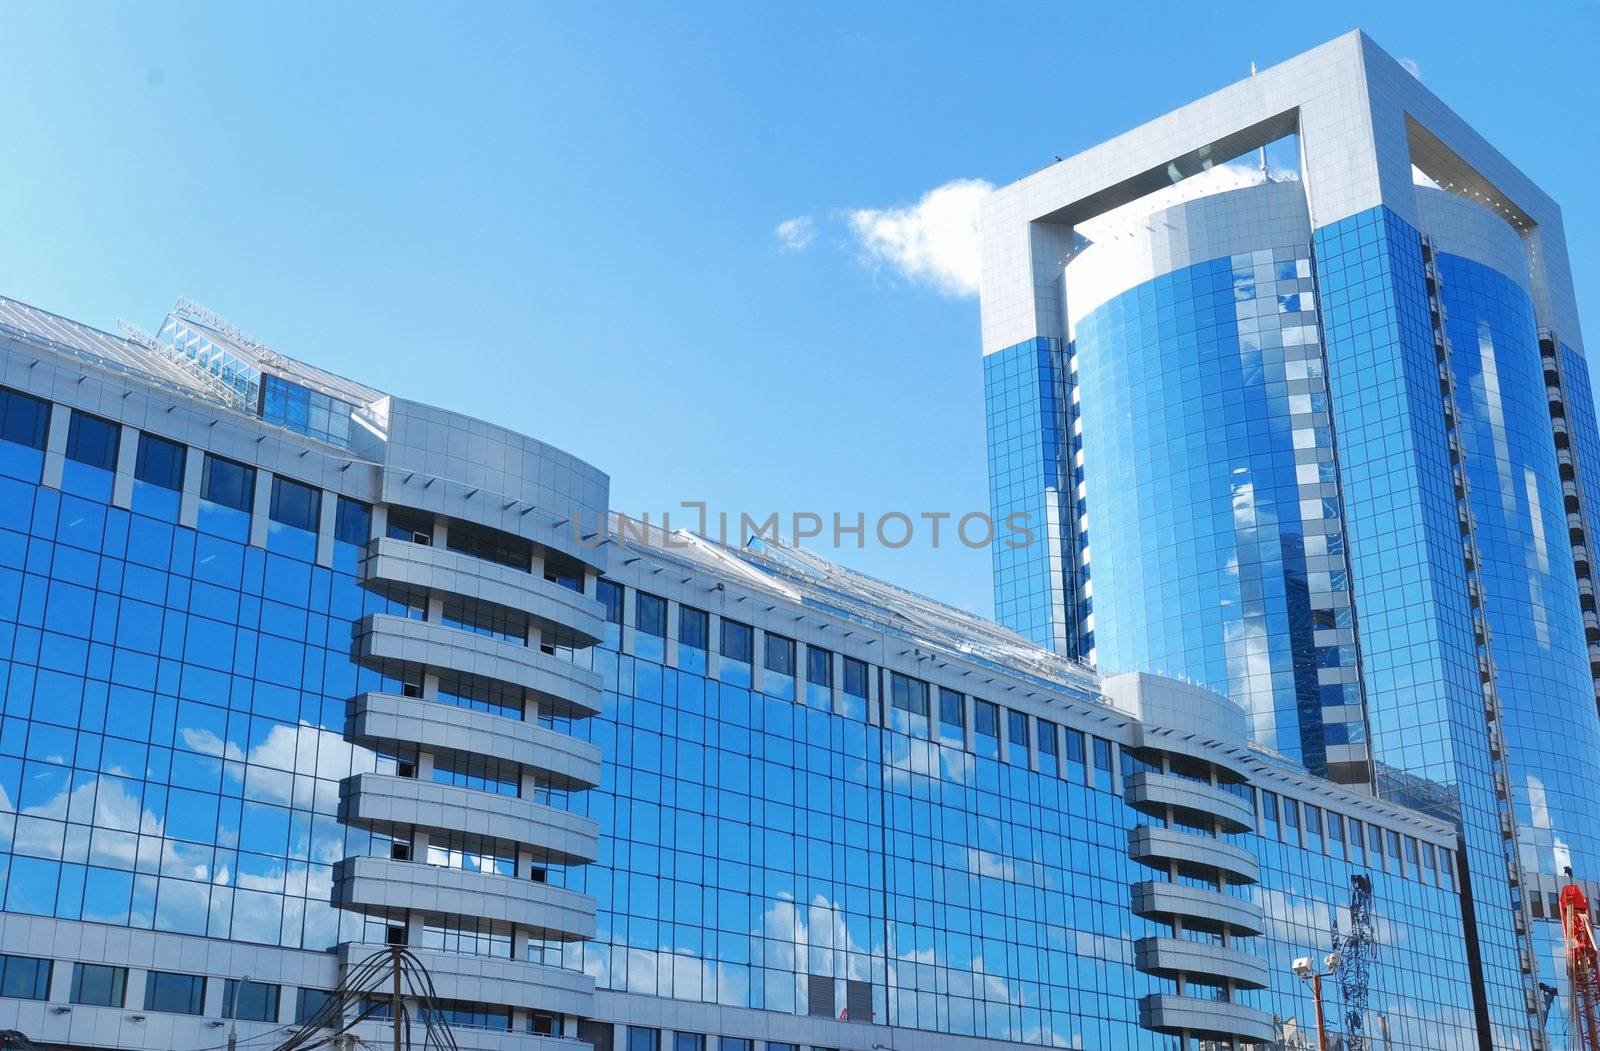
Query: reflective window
{"points": [[480, 695], [24, 419], [24, 977], [1049, 755], [688, 1042], [295, 504], [414, 527], [474, 1015], [819, 666], [486, 618], [228, 483], [183, 994], [1016, 738], [855, 677], [779, 655], [1102, 764], [642, 1039], [309, 1003], [307, 411], [160, 462], [952, 712], [97, 985], [650, 614], [250, 1001], [735, 1043], [609, 592], [737, 641], [352, 521], [563, 570], [92, 441], [986, 729], [693, 627], [478, 772], [459, 850], [490, 544]]}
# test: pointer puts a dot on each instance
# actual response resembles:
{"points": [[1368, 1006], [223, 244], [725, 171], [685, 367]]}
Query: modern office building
{"points": [[1325, 444], [295, 670]]}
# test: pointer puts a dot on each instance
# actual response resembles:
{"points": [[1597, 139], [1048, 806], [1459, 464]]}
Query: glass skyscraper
{"points": [[1321, 440]]}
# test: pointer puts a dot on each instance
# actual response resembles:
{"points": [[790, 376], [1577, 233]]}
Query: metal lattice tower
{"points": [[1357, 949]]}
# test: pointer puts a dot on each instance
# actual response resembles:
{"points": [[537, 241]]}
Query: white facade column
{"points": [[327, 519], [194, 466], [758, 652], [630, 618], [670, 652], [55, 446], [838, 683], [261, 509], [713, 645], [127, 460]]}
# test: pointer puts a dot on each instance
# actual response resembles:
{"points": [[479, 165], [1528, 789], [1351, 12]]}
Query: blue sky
{"points": [[562, 217]]}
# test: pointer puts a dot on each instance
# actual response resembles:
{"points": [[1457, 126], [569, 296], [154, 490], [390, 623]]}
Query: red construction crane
{"points": [[1583, 966]]}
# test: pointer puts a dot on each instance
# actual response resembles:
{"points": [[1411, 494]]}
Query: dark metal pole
{"points": [[1316, 991], [394, 955]]}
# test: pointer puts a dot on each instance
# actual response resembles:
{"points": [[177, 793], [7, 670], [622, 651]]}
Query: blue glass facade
{"points": [[1530, 592], [1414, 615], [172, 743], [1213, 501], [1031, 477], [758, 840]]}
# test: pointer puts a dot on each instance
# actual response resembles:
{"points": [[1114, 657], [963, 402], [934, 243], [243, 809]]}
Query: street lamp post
{"points": [[233, 1015], [1305, 971]]}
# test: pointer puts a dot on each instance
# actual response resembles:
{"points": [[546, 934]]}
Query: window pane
{"points": [[352, 521], [737, 643], [98, 985], [24, 419], [250, 1001], [609, 592], [650, 614], [93, 441], [174, 993], [24, 977], [564, 570], [160, 462], [819, 666], [855, 677], [309, 1003], [780, 654], [693, 627], [294, 504], [227, 483], [489, 544]]}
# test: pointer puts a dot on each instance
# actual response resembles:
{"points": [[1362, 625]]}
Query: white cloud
{"points": [[1410, 66], [796, 235], [932, 242]]}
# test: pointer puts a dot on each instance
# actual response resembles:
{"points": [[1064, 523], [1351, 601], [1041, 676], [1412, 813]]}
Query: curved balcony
{"points": [[1151, 792], [1196, 855], [1200, 909], [576, 619], [382, 719], [1166, 1013], [1173, 956], [383, 886], [564, 689], [385, 801], [491, 980]]}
